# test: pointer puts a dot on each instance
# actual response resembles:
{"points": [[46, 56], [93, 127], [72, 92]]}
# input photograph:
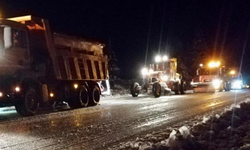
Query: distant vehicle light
{"points": [[158, 59], [165, 58], [1, 94], [237, 84], [17, 89], [144, 71], [232, 72], [213, 64], [201, 65]]}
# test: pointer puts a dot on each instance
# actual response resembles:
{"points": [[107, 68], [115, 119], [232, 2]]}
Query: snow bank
{"points": [[227, 131]]}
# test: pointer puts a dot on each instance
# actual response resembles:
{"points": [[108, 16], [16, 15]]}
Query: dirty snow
{"points": [[229, 130]]}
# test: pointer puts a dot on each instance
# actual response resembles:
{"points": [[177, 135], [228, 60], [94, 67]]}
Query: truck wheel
{"points": [[94, 95], [182, 88], [227, 88], [83, 96], [133, 89], [157, 89], [80, 98], [221, 88], [28, 104], [176, 88]]}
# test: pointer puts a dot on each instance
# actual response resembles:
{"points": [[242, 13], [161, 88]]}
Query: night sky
{"points": [[221, 27]]}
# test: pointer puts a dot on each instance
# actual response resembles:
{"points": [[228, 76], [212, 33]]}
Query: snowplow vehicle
{"points": [[211, 77], [235, 79], [160, 78], [39, 68]]}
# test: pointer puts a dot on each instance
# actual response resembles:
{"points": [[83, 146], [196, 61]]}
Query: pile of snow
{"points": [[227, 131], [120, 87]]}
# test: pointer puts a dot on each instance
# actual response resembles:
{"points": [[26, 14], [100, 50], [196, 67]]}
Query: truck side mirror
{"points": [[1, 41], [7, 37]]}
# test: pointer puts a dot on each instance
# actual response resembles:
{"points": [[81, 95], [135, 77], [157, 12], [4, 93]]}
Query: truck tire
{"points": [[94, 95], [133, 89], [83, 96], [156, 89], [80, 98], [29, 103], [176, 88], [221, 88], [183, 87], [227, 87]]}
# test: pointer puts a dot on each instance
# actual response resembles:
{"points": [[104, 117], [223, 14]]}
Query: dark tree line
{"points": [[113, 68]]}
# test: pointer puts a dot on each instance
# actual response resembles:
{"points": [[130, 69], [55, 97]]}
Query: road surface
{"points": [[116, 119]]}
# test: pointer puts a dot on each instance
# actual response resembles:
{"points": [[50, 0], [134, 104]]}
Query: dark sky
{"points": [[221, 24]]}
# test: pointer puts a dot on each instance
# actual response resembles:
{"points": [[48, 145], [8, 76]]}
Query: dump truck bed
{"points": [[72, 58], [78, 59]]}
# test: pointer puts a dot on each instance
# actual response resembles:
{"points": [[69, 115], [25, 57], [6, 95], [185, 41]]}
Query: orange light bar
{"points": [[28, 18], [21, 19]]}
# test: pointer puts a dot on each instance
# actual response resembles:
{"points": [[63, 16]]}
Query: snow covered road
{"points": [[116, 119]]}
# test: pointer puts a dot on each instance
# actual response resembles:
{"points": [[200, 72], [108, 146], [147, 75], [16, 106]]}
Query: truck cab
{"points": [[210, 78]]}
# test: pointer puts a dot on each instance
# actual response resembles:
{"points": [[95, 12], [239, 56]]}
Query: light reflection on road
{"points": [[121, 117]]}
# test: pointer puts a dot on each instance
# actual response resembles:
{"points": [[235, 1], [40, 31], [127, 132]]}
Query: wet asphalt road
{"points": [[114, 120]]}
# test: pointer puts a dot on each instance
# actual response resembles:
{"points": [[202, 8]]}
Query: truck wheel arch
{"points": [[28, 101]]}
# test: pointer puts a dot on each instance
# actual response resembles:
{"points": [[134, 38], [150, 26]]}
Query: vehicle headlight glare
{"points": [[144, 71], [216, 83], [164, 78], [165, 58], [237, 84], [151, 71], [158, 59]]}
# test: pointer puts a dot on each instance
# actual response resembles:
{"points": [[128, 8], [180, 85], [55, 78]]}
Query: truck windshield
{"points": [[10, 37], [210, 71]]}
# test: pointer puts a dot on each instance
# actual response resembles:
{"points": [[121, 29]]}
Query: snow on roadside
{"points": [[229, 130]]}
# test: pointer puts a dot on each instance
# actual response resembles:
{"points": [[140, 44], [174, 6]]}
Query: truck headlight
{"points": [[237, 84], [164, 78], [216, 83], [144, 71]]}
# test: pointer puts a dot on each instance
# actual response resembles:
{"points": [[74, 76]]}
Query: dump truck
{"points": [[160, 78], [39, 68], [211, 77]]}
